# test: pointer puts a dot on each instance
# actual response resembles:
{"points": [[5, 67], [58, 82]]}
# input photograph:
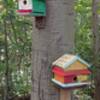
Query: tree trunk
{"points": [[96, 47], [7, 69], [48, 44]]}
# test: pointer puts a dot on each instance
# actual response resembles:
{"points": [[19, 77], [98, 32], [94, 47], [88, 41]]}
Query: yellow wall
{"points": [[82, 77], [76, 66]]}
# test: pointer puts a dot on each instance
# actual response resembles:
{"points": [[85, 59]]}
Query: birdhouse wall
{"points": [[76, 66], [69, 79], [59, 78], [62, 79], [24, 4], [82, 77]]}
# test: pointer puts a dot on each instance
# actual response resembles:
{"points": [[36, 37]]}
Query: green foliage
{"points": [[18, 29], [83, 36], [83, 40]]}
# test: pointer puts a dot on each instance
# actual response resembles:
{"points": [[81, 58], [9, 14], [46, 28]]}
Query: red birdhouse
{"points": [[70, 71]]}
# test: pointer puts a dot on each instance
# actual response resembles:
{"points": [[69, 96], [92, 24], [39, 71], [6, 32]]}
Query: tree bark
{"points": [[96, 47], [49, 43], [7, 71]]}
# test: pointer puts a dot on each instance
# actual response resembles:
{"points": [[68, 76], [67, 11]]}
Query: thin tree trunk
{"points": [[6, 96], [49, 43], [96, 47], [8, 78]]}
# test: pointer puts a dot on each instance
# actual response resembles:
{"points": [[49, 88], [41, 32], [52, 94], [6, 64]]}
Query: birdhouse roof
{"points": [[68, 59]]}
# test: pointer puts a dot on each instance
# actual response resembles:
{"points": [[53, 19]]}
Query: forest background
{"points": [[15, 49]]}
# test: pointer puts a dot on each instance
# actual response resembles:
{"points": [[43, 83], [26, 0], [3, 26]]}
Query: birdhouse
{"points": [[32, 7], [70, 71], [24, 7], [39, 7]]}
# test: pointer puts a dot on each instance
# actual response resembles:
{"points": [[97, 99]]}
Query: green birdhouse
{"points": [[39, 7], [32, 7]]}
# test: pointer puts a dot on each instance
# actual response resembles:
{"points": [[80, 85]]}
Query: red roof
{"points": [[60, 71]]}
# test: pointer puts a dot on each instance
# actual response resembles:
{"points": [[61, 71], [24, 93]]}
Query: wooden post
{"points": [[65, 94]]}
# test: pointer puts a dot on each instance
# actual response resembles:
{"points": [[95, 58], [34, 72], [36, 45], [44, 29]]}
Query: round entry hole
{"points": [[25, 2]]}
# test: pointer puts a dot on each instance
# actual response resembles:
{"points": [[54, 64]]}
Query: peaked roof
{"points": [[67, 59]]}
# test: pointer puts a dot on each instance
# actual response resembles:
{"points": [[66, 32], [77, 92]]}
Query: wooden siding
{"points": [[59, 78], [77, 66], [82, 77]]}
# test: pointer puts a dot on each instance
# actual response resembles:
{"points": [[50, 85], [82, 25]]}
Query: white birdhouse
{"points": [[24, 7]]}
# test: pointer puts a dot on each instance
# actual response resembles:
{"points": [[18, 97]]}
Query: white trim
{"points": [[70, 62], [71, 85], [83, 61]]}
